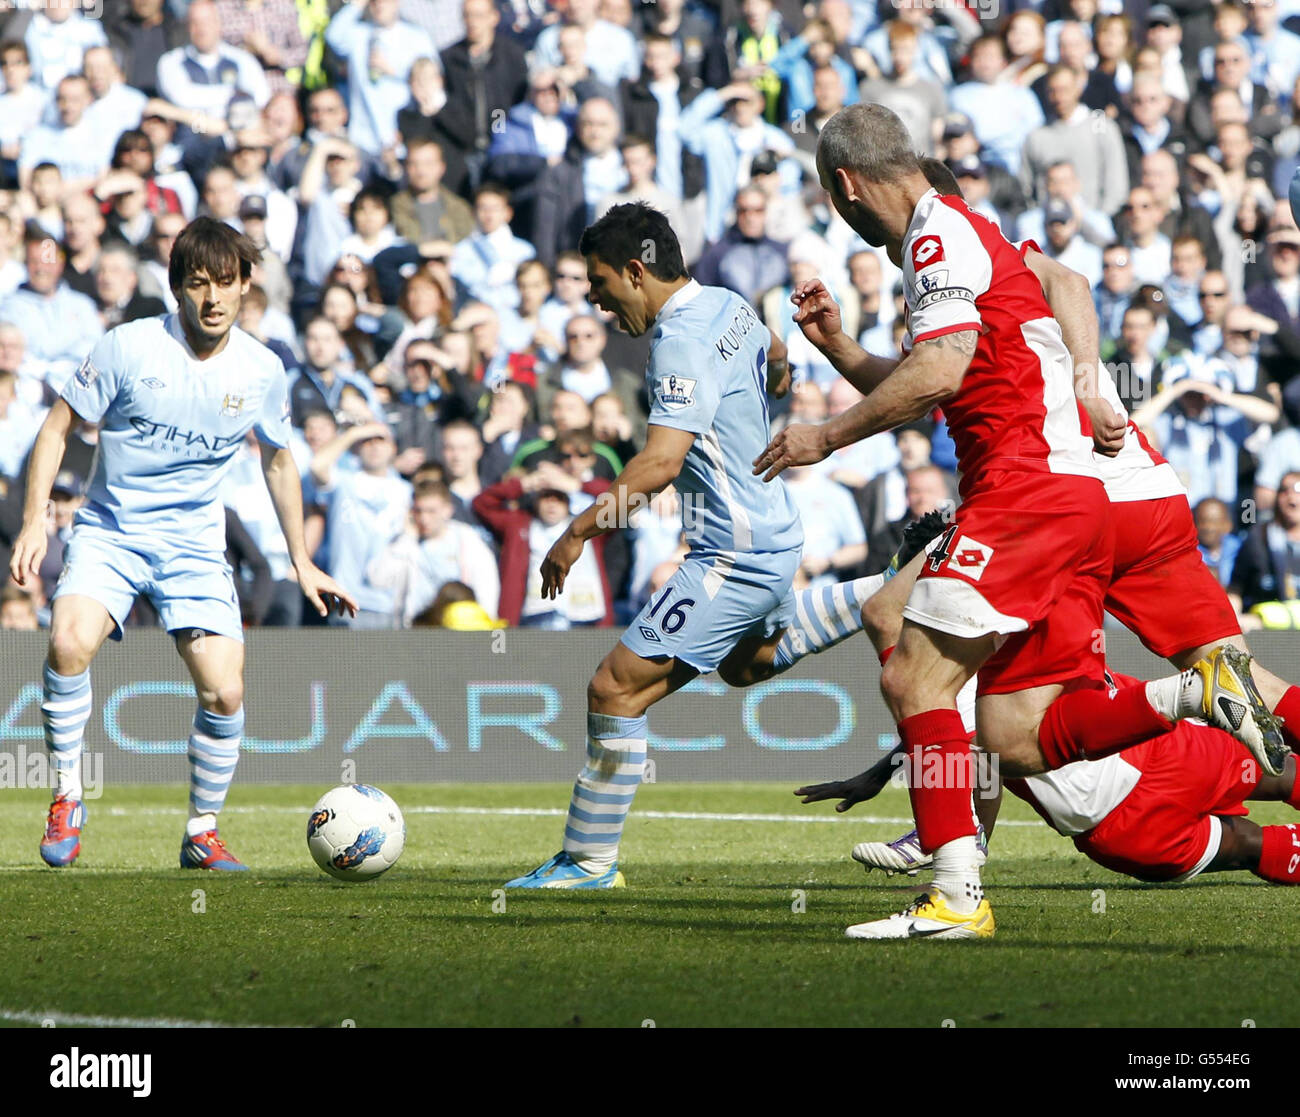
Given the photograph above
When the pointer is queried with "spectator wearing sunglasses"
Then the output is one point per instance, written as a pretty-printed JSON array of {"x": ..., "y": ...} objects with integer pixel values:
[
  {"x": 1213, "y": 298},
  {"x": 583, "y": 370}
]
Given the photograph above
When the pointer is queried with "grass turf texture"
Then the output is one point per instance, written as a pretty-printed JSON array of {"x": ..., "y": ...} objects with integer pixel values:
[{"x": 706, "y": 933}]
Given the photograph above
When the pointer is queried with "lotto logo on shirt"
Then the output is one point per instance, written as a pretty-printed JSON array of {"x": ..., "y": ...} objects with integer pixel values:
[
  {"x": 926, "y": 251},
  {"x": 969, "y": 557}
]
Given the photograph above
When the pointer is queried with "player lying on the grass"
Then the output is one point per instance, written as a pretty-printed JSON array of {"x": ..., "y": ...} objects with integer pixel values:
[
  {"x": 174, "y": 397},
  {"x": 1164, "y": 810},
  {"x": 730, "y": 606},
  {"x": 1013, "y": 593}
]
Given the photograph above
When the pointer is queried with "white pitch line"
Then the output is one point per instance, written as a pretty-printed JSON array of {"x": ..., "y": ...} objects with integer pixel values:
[
  {"x": 556, "y": 812},
  {"x": 76, "y": 1020}
]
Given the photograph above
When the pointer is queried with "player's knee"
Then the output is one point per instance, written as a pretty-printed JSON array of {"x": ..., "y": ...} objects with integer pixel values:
[
  {"x": 896, "y": 686},
  {"x": 224, "y": 700},
  {"x": 70, "y": 653}
]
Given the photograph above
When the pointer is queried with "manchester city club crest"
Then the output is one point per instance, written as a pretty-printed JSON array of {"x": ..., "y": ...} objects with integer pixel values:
[{"x": 231, "y": 406}]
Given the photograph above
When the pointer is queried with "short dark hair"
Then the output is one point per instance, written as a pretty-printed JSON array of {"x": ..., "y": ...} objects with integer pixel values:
[
  {"x": 939, "y": 175},
  {"x": 16, "y": 46},
  {"x": 635, "y": 231},
  {"x": 496, "y": 188},
  {"x": 434, "y": 488},
  {"x": 369, "y": 195},
  {"x": 209, "y": 245}
]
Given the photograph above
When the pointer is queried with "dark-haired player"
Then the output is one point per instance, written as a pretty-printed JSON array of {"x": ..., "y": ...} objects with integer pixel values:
[
  {"x": 174, "y": 397},
  {"x": 730, "y": 606}
]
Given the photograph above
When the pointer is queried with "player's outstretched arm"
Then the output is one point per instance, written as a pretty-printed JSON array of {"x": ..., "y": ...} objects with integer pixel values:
[
  {"x": 1070, "y": 297},
  {"x": 281, "y": 473},
  {"x": 649, "y": 472},
  {"x": 818, "y": 315},
  {"x": 858, "y": 789},
  {"x": 931, "y": 373},
  {"x": 42, "y": 466}
]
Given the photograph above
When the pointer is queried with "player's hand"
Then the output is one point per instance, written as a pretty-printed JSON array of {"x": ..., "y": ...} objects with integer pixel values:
[
  {"x": 861, "y": 788},
  {"x": 324, "y": 593},
  {"x": 1108, "y": 429},
  {"x": 28, "y": 554},
  {"x": 817, "y": 313},
  {"x": 555, "y": 566},
  {"x": 798, "y": 444}
]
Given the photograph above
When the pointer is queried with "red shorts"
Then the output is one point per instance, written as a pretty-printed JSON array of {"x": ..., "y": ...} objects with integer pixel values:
[
  {"x": 1162, "y": 829},
  {"x": 1161, "y": 588},
  {"x": 1028, "y": 557}
]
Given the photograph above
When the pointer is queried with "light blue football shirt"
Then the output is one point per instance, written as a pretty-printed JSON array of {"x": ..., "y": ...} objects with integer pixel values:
[
  {"x": 170, "y": 425},
  {"x": 707, "y": 374}
]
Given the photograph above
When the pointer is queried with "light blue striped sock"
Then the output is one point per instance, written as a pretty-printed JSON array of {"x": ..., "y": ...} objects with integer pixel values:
[
  {"x": 213, "y": 753},
  {"x": 823, "y": 616},
  {"x": 65, "y": 709},
  {"x": 604, "y": 790}
]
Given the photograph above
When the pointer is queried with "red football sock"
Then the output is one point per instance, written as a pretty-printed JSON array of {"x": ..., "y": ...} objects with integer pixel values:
[
  {"x": 1279, "y": 861},
  {"x": 1289, "y": 710},
  {"x": 939, "y": 776},
  {"x": 1089, "y": 724},
  {"x": 1293, "y": 800},
  {"x": 884, "y": 656}
]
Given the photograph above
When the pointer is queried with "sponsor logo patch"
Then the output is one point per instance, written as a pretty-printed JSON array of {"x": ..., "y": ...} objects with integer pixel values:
[
  {"x": 931, "y": 281},
  {"x": 969, "y": 557},
  {"x": 87, "y": 374},
  {"x": 676, "y": 392},
  {"x": 926, "y": 251},
  {"x": 650, "y": 634}
]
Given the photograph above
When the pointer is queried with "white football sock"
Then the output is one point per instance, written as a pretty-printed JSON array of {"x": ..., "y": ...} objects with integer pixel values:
[
  {"x": 1177, "y": 696},
  {"x": 957, "y": 874}
]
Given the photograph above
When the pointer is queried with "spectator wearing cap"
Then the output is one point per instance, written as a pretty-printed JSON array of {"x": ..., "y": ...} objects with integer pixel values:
[
  {"x": 1061, "y": 183},
  {"x": 206, "y": 73},
  {"x": 1090, "y": 142},
  {"x": 973, "y": 178},
  {"x": 1165, "y": 36},
  {"x": 563, "y": 200},
  {"x": 917, "y": 100},
  {"x": 60, "y": 325},
  {"x": 535, "y": 133},
  {"x": 140, "y": 36},
  {"x": 745, "y": 260},
  {"x": 324, "y": 372},
  {"x": 958, "y": 141},
  {"x": 425, "y": 209},
  {"x": 1274, "y": 51},
  {"x": 79, "y": 147},
  {"x": 379, "y": 48},
  {"x": 23, "y": 105},
  {"x": 1002, "y": 113},
  {"x": 727, "y": 143},
  {"x": 274, "y": 273},
  {"x": 368, "y": 510},
  {"x": 1064, "y": 244},
  {"x": 57, "y": 38},
  {"x": 116, "y": 286},
  {"x": 1200, "y": 423},
  {"x": 1151, "y": 128},
  {"x": 434, "y": 549},
  {"x": 248, "y": 160},
  {"x": 527, "y": 515},
  {"x": 484, "y": 262}
]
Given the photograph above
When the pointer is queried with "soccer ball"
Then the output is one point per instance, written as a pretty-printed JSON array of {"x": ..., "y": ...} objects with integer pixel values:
[{"x": 355, "y": 832}]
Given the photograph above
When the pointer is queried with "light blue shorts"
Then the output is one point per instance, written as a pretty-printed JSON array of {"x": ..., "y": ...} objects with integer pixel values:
[
  {"x": 190, "y": 591},
  {"x": 709, "y": 605}
]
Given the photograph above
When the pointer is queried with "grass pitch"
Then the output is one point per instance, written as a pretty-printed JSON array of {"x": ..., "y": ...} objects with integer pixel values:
[{"x": 727, "y": 921}]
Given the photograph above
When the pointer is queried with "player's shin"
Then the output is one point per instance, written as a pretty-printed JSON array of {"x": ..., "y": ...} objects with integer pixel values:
[
  {"x": 603, "y": 792},
  {"x": 65, "y": 709},
  {"x": 1091, "y": 723},
  {"x": 213, "y": 755},
  {"x": 1279, "y": 859},
  {"x": 824, "y": 615},
  {"x": 940, "y": 783}
]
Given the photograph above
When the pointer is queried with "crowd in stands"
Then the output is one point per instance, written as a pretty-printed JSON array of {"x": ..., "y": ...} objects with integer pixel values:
[{"x": 417, "y": 174}]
